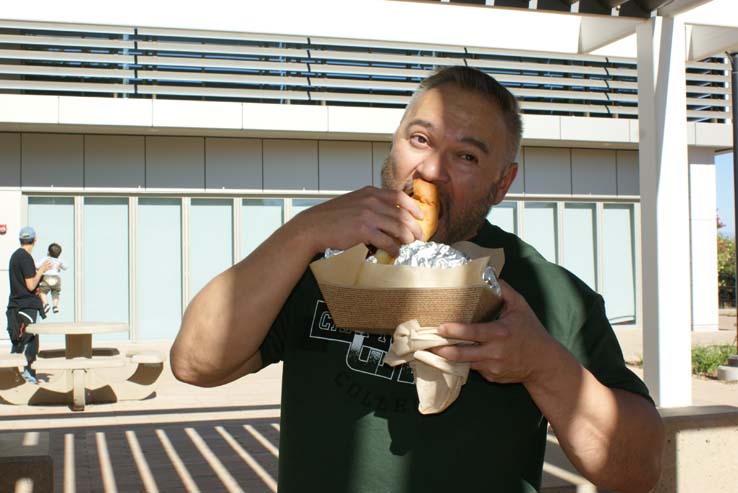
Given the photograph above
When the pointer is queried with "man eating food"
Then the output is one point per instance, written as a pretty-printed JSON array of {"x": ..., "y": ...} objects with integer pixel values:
[{"x": 348, "y": 421}]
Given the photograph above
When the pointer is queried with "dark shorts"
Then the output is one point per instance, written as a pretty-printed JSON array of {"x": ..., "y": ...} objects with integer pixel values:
[
  {"x": 18, "y": 320},
  {"x": 50, "y": 283}
]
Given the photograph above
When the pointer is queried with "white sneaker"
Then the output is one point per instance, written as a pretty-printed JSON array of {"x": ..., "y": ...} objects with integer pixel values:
[{"x": 29, "y": 377}]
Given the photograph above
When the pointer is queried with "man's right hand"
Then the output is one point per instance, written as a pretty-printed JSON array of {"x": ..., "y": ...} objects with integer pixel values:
[
  {"x": 222, "y": 330},
  {"x": 371, "y": 215},
  {"x": 45, "y": 266}
]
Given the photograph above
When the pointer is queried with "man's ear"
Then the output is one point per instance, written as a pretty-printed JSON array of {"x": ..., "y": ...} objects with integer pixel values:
[{"x": 504, "y": 183}]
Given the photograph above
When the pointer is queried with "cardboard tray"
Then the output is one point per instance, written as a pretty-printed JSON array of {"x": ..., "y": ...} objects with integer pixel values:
[{"x": 377, "y": 298}]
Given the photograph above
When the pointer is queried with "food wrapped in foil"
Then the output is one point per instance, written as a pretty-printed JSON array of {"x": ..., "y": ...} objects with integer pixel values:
[{"x": 432, "y": 254}]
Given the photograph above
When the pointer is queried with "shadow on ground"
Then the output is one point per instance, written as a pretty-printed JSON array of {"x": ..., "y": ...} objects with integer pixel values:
[{"x": 214, "y": 455}]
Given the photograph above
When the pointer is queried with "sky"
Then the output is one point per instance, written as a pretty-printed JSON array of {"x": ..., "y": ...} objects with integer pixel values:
[{"x": 724, "y": 179}]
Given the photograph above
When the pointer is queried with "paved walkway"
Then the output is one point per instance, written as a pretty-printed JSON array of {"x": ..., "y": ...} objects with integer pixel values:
[
  {"x": 187, "y": 438},
  {"x": 704, "y": 391}
]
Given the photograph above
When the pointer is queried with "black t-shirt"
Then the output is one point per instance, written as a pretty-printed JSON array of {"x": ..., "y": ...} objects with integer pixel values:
[
  {"x": 21, "y": 268},
  {"x": 349, "y": 423}
]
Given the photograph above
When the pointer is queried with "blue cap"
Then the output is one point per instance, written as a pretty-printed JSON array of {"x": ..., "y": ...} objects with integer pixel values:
[{"x": 27, "y": 233}]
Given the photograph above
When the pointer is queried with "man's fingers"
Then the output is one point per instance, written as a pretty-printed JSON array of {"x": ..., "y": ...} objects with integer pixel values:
[
  {"x": 463, "y": 353},
  {"x": 403, "y": 226},
  {"x": 394, "y": 214},
  {"x": 406, "y": 202},
  {"x": 480, "y": 332},
  {"x": 383, "y": 241}
]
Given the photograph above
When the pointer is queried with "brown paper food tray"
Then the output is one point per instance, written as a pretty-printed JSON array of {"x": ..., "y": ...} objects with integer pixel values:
[{"x": 377, "y": 298}]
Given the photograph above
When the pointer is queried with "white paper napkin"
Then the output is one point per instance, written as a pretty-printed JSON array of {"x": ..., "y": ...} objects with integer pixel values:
[{"x": 437, "y": 380}]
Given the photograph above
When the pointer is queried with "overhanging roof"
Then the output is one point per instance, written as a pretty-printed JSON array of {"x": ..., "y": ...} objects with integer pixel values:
[{"x": 714, "y": 22}]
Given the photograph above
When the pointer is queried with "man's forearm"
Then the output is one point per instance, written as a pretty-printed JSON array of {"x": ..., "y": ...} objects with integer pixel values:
[
  {"x": 32, "y": 282},
  {"x": 227, "y": 321},
  {"x": 613, "y": 437}
]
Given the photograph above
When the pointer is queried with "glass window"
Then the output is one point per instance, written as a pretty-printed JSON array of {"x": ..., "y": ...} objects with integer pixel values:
[
  {"x": 505, "y": 215},
  {"x": 618, "y": 276},
  {"x": 53, "y": 220},
  {"x": 105, "y": 267},
  {"x": 540, "y": 226},
  {"x": 259, "y": 219},
  {"x": 211, "y": 240},
  {"x": 159, "y": 268},
  {"x": 299, "y": 205},
  {"x": 580, "y": 242}
]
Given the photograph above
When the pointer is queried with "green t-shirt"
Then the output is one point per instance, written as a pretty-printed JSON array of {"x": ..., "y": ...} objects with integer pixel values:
[{"x": 350, "y": 423}]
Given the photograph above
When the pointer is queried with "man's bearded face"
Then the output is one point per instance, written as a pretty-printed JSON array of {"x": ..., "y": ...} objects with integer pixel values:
[{"x": 457, "y": 140}]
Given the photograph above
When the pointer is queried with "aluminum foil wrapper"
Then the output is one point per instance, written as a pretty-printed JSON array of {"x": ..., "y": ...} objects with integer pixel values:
[
  {"x": 431, "y": 254},
  {"x": 490, "y": 277},
  {"x": 331, "y": 252}
]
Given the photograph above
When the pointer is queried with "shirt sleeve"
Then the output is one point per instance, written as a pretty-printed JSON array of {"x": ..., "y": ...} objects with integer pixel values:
[
  {"x": 272, "y": 347},
  {"x": 598, "y": 350},
  {"x": 28, "y": 268}
]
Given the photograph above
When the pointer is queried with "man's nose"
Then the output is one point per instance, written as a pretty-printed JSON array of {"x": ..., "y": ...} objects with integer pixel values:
[{"x": 434, "y": 167}]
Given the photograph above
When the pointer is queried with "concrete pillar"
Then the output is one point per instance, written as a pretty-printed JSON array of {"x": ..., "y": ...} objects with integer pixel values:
[
  {"x": 10, "y": 211},
  {"x": 703, "y": 207},
  {"x": 664, "y": 187},
  {"x": 10, "y": 216}
]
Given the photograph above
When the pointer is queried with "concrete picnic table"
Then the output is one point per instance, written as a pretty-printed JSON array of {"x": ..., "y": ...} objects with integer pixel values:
[
  {"x": 77, "y": 335},
  {"x": 81, "y": 384}
]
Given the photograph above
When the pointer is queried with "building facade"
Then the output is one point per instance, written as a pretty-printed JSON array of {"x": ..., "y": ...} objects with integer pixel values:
[{"x": 157, "y": 157}]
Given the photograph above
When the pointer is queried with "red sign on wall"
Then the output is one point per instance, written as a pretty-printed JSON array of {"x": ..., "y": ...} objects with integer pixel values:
[{"x": 3, "y": 229}]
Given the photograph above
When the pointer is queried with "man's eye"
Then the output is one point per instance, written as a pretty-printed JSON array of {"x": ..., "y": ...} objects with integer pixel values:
[
  {"x": 419, "y": 139},
  {"x": 469, "y": 157}
]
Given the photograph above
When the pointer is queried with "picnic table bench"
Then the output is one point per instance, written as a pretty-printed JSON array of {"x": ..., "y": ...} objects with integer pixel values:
[{"x": 80, "y": 382}]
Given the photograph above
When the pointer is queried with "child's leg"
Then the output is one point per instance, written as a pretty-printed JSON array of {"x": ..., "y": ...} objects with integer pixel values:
[
  {"x": 55, "y": 296},
  {"x": 42, "y": 292}
]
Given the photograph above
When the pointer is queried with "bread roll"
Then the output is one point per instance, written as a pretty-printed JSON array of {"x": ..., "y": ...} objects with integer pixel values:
[{"x": 426, "y": 195}]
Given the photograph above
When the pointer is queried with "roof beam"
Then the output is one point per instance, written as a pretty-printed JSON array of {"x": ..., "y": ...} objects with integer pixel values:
[
  {"x": 705, "y": 41},
  {"x": 598, "y": 31},
  {"x": 434, "y": 23},
  {"x": 679, "y": 7}
]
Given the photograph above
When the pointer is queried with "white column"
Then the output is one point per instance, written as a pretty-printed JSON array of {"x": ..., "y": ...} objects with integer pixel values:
[
  {"x": 703, "y": 207},
  {"x": 11, "y": 204},
  {"x": 664, "y": 188}
]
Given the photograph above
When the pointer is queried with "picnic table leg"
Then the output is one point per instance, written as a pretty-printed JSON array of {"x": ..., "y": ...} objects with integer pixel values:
[
  {"x": 77, "y": 345},
  {"x": 78, "y": 390}
]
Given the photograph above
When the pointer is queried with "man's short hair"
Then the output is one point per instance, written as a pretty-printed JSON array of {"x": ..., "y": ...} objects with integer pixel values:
[
  {"x": 478, "y": 82},
  {"x": 55, "y": 250}
]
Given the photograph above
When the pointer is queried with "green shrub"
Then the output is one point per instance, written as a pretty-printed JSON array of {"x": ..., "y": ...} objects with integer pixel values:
[
  {"x": 706, "y": 359},
  {"x": 726, "y": 270}
]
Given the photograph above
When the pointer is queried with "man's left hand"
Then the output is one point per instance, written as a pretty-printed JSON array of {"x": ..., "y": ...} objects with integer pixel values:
[{"x": 509, "y": 349}]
